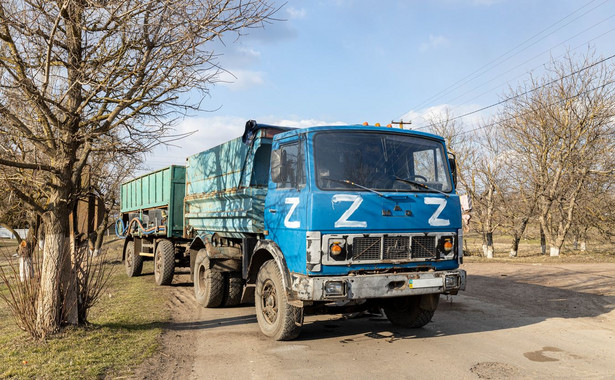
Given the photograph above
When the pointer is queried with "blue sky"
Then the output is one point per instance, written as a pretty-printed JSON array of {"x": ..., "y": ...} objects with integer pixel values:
[{"x": 345, "y": 61}]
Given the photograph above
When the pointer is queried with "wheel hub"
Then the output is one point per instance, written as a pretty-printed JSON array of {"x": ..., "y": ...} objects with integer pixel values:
[{"x": 269, "y": 302}]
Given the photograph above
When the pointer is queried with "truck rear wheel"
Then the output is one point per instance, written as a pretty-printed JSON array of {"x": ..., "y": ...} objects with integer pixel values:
[
  {"x": 208, "y": 284},
  {"x": 133, "y": 262},
  {"x": 164, "y": 262},
  {"x": 233, "y": 289},
  {"x": 411, "y": 311},
  {"x": 276, "y": 317}
]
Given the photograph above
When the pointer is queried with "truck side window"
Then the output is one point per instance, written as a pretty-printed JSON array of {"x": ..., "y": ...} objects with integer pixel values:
[{"x": 293, "y": 167}]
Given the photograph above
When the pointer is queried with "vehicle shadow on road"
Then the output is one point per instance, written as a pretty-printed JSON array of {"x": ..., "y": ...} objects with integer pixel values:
[
  {"x": 489, "y": 304},
  {"x": 247, "y": 317}
]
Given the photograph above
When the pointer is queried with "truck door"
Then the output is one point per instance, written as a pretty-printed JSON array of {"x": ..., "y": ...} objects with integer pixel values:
[{"x": 286, "y": 201}]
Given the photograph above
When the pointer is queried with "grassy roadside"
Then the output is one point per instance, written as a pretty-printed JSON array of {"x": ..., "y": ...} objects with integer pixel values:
[
  {"x": 125, "y": 328},
  {"x": 530, "y": 252}
]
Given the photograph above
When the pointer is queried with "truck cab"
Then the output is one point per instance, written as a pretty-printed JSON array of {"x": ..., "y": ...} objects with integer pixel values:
[{"x": 364, "y": 215}]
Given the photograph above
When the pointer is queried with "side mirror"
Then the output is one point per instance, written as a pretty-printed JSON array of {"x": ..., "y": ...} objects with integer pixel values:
[
  {"x": 453, "y": 164},
  {"x": 278, "y": 158}
]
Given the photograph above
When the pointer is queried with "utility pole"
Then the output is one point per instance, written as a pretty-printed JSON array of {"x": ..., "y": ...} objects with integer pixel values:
[{"x": 401, "y": 123}]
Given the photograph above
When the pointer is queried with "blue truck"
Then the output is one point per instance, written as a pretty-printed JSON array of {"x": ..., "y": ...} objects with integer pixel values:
[{"x": 306, "y": 220}]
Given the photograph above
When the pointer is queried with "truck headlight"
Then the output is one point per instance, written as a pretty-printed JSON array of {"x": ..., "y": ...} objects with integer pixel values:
[
  {"x": 335, "y": 288},
  {"x": 451, "y": 281}
]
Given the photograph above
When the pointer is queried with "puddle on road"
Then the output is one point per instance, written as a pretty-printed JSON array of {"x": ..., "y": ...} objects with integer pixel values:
[{"x": 539, "y": 356}]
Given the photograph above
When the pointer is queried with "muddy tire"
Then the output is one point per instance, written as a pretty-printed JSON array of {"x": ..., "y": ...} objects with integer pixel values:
[
  {"x": 233, "y": 289},
  {"x": 276, "y": 317},
  {"x": 411, "y": 311},
  {"x": 208, "y": 284},
  {"x": 164, "y": 262},
  {"x": 132, "y": 261}
]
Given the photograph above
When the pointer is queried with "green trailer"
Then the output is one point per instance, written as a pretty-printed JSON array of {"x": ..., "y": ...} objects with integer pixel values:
[
  {"x": 156, "y": 199},
  {"x": 152, "y": 222}
]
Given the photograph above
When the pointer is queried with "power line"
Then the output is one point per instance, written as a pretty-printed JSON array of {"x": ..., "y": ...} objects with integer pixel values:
[
  {"x": 481, "y": 70},
  {"x": 525, "y": 92},
  {"x": 538, "y": 55},
  {"x": 539, "y": 108}
]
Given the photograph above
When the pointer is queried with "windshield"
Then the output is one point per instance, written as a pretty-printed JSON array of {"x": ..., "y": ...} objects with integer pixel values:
[{"x": 380, "y": 161}]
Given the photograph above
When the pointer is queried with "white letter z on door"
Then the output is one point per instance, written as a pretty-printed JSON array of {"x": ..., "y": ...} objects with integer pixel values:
[
  {"x": 435, "y": 220},
  {"x": 343, "y": 220},
  {"x": 287, "y": 223}
]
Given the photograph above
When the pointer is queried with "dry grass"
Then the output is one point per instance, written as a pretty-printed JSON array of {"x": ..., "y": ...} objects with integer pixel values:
[{"x": 125, "y": 328}]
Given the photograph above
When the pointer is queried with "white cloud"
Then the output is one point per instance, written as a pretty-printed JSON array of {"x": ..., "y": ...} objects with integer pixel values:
[
  {"x": 434, "y": 42},
  {"x": 207, "y": 132},
  {"x": 241, "y": 79},
  {"x": 294, "y": 13},
  {"x": 421, "y": 118}
]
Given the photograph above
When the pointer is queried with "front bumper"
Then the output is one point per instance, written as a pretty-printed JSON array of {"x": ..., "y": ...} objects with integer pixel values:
[{"x": 333, "y": 288}]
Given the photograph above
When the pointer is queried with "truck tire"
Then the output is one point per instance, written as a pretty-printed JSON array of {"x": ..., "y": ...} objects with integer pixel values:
[
  {"x": 133, "y": 262},
  {"x": 233, "y": 289},
  {"x": 164, "y": 262},
  {"x": 276, "y": 317},
  {"x": 208, "y": 284},
  {"x": 411, "y": 311}
]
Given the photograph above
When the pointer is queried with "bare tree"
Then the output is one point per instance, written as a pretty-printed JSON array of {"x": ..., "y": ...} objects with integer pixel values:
[
  {"x": 79, "y": 77},
  {"x": 560, "y": 125},
  {"x": 478, "y": 168}
]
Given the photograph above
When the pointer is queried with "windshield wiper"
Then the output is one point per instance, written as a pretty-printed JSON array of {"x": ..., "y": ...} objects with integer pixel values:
[
  {"x": 356, "y": 185},
  {"x": 421, "y": 185}
]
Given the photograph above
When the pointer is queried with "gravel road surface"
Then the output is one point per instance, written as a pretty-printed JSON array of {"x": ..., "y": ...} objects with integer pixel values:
[{"x": 514, "y": 321}]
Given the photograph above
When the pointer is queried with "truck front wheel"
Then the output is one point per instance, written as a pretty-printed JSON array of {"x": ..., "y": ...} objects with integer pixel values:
[
  {"x": 164, "y": 262},
  {"x": 276, "y": 317},
  {"x": 133, "y": 262},
  {"x": 411, "y": 311},
  {"x": 208, "y": 284}
]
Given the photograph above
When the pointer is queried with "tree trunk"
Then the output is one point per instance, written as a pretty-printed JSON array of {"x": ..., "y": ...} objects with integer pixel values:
[
  {"x": 554, "y": 251},
  {"x": 488, "y": 245},
  {"x": 514, "y": 246},
  {"x": 70, "y": 307},
  {"x": 54, "y": 256},
  {"x": 543, "y": 242},
  {"x": 100, "y": 232}
]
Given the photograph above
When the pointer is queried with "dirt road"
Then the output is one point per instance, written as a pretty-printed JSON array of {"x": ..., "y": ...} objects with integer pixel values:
[{"x": 514, "y": 321}]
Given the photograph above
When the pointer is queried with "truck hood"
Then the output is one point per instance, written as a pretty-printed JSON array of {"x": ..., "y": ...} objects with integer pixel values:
[{"x": 364, "y": 212}]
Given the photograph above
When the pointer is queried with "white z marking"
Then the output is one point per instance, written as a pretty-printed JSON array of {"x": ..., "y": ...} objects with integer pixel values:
[
  {"x": 343, "y": 220},
  {"x": 287, "y": 223},
  {"x": 435, "y": 220}
]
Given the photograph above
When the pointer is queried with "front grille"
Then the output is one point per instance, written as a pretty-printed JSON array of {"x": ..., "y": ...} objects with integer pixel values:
[
  {"x": 366, "y": 248},
  {"x": 396, "y": 248},
  {"x": 423, "y": 247},
  {"x": 377, "y": 248}
]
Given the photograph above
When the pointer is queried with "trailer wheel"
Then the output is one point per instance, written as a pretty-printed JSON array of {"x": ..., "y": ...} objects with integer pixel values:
[
  {"x": 208, "y": 284},
  {"x": 164, "y": 262},
  {"x": 133, "y": 262},
  {"x": 411, "y": 311},
  {"x": 276, "y": 317},
  {"x": 233, "y": 289}
]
